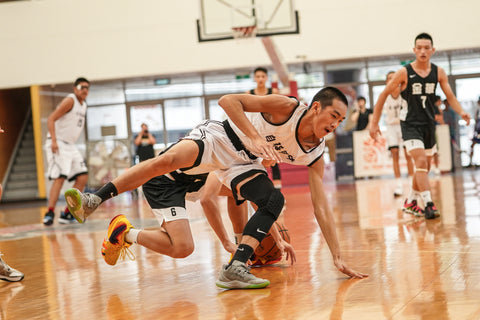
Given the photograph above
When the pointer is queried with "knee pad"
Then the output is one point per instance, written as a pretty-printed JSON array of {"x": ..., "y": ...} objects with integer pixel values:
[
  {"x": 260, "y": 190},
  {"x": 269, "y": 200}
]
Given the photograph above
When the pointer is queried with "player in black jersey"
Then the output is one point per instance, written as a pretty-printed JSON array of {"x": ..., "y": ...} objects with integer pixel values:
[{"x": 418, "y": 81}]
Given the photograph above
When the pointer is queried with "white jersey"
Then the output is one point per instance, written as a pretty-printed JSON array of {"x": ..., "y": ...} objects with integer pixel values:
[
  {"x": 69, "y": 126},
  {"x": 391, "y": 109},
  {"x": 283, "y": 137}
]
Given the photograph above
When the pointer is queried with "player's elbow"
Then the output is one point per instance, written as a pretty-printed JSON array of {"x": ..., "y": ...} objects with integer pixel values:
[{"x": 225, "y": 101}]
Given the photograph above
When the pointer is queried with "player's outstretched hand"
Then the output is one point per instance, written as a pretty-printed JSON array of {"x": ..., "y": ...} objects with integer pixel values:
[
  {"x": 341, "y": 266},
  {"x": 374, "y": 131}
]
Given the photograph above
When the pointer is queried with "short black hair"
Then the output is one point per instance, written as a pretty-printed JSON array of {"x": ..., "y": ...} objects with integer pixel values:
[
  {"x": 327, "y": 95},
  {"x": 80, "y": 80},
  {"x": 389, "y": 72},
  {"x": 438, "y": 98},
  {"x": 425, "y": 36},
  {"x": 262, "y": 69},
  {"x": 361, "y": 98}
]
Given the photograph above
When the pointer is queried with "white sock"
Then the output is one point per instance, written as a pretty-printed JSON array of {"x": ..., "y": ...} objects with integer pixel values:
[
  {"x": 412, "y": 196},
  {"x": 426, "y": 197},
  {"x": 399, "y": 182},
  {"x": 132, "y": 235}
]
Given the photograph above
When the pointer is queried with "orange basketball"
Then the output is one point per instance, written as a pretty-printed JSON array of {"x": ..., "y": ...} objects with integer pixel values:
[{"x": 267, "y": 250}]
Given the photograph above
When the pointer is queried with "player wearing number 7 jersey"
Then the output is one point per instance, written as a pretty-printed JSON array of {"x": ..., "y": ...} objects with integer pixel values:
[{"x": 418, "y": 81}]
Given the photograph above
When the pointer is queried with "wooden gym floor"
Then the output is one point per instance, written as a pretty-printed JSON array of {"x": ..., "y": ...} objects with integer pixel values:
[{"x": 418, "y": 269}]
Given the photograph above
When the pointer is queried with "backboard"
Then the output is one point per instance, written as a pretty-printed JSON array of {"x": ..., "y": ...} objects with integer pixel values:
[{"x": 219, "y": 18}]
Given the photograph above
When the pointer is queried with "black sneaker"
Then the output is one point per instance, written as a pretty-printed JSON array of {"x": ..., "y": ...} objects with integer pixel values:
[
  {"x": 431, "y": 211},
  {"x": 66, "y": 218},
  {"x": 48, "y": 218}
]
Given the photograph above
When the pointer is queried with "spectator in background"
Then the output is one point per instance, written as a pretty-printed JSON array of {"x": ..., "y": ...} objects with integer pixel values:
[
  {"x": 451, "y": 118},
  {"x": 145, "y": 142},
  {"x": 393, "y": 105},
  {"x": 476, "y": 133},
  {"x": 438, "y": 120},
  {"x": 361, "y": 115}
]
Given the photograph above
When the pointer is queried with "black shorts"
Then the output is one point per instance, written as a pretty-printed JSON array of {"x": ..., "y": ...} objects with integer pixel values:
[
  {"x": 162, "y": 192},
  {"x": 424, "y": 132}
]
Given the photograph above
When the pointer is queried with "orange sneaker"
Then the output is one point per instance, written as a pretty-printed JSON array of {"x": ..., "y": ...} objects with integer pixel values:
[{"x": 115, "y": 246}]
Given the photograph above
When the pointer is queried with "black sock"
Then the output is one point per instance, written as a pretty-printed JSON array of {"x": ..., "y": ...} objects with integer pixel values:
[
  {"x": 243, "y": 253},
  {"x": 107, "y": 191}
]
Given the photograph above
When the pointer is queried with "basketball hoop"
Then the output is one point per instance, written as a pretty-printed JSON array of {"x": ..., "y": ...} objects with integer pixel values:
[{"x": 247, "y": 32}]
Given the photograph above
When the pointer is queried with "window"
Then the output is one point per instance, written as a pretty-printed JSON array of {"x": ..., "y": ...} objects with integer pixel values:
[
  {"x": 107, "y": 122},
  {"x": 181, "y": 115}
]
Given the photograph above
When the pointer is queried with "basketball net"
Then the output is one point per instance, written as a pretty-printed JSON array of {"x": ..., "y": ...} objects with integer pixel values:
[{"x": 246, "y": 32}]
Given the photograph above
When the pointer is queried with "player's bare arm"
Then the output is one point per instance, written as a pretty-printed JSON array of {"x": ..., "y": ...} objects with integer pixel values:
[
  {"x": 399, "y": 79},
  {"x": 209, "y": 203},
  {"x": 443, "y": 80},
  {"x": 65, "y": 106},
  {"x": 324, "y": 217},
  {"x": 275, "y": 107}
]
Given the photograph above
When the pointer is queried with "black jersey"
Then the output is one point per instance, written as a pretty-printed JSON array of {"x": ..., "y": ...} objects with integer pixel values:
[
  {"x": 269, "y": 91},
  {"x": 419, "y": 96}
]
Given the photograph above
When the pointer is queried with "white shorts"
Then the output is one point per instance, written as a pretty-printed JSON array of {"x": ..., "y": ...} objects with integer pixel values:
[
  {"x": 170, "y": 214},
  {"x": 67, "y": 162},
  {"x": 166, "y": 194},
  {"x": 418, "y": 144},
  {"x": 394, "y": 136},
  {"x": 221, "y": 155}
]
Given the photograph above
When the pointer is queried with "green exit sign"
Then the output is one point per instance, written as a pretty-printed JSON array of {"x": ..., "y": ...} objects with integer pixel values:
[{"x": 242, "y": 76}]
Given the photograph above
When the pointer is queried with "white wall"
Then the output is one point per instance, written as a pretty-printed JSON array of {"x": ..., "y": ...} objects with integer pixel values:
[{"x": 54, "y": 41}]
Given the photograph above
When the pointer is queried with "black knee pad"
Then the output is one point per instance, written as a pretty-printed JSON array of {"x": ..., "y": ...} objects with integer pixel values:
[
  {"x": 269, "y": 200},
  {"x": 260, "y": 190}
]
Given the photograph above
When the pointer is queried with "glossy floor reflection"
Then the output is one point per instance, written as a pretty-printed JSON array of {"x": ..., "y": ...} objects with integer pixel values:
[{"x": 418, "y": 269}]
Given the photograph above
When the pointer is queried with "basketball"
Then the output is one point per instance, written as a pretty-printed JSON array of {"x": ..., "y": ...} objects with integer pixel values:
[{"x": 267, "y": 250}]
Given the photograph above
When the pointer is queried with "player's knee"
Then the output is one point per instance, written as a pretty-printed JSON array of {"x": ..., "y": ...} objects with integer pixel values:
[
  {"x": 421, "y": 163},
  {"x": 261, "y": 191},
  {"x": 183, "y": 250},
  {"x": 275, "y": 203}
]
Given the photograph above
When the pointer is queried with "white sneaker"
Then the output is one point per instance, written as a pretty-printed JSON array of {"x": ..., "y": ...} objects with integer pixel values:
[
  {"x": 238, "y": 276},
  {"x": 398, "y": 191},
  {"x": 7, "y": 273},
  {"x": 81, "y": 205}
]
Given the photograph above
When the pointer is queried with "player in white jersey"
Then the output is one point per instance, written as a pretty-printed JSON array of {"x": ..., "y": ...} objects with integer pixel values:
[
  {"x": 64, "y": 160},
  {"x": 391, "y": 111},
  {"x": 8, "y": 273},
  {"x": 282, "y": 130}
]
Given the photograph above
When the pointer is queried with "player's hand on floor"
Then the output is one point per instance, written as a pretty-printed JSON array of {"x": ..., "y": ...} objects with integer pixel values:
[
  {"x": 341, "y": 266},
  {"x": 288, "y": 249}
]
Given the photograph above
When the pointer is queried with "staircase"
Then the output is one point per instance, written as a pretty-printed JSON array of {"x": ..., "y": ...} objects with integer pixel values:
[{"x": 21, "y": 182}]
